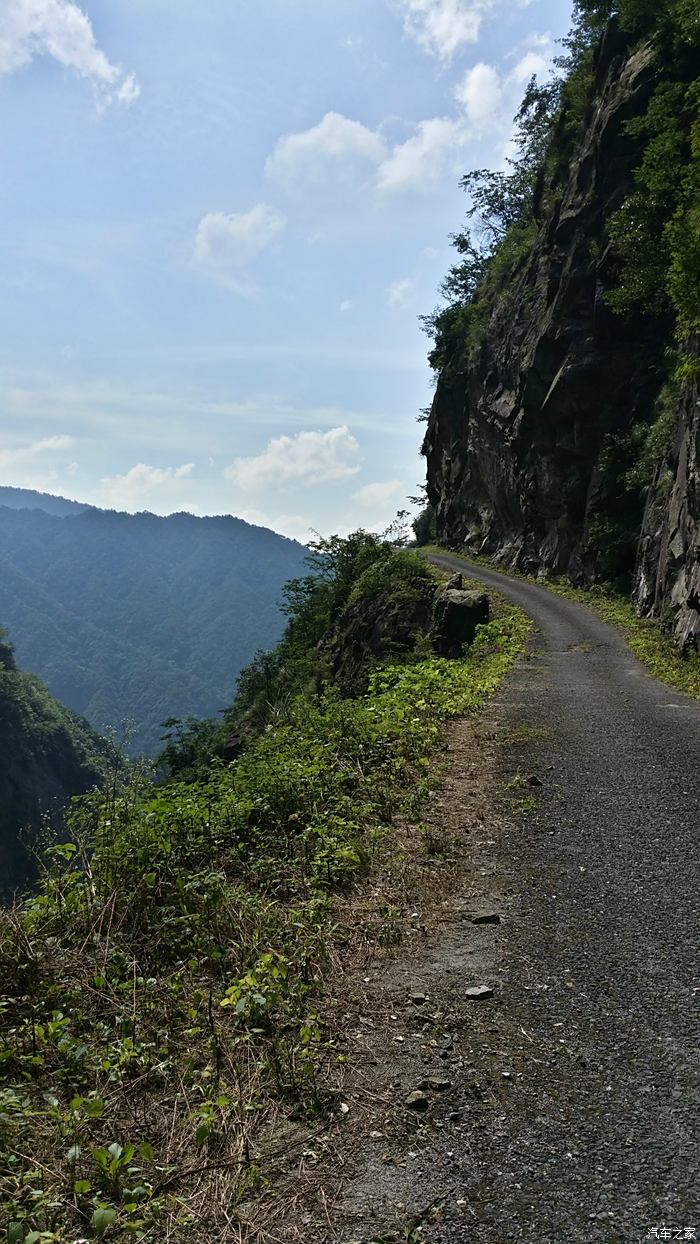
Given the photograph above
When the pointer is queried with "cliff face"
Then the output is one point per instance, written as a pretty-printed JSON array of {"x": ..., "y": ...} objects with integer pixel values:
[
  {"x": 667, "y": 577},
  {"x": 522, "y": 435}
]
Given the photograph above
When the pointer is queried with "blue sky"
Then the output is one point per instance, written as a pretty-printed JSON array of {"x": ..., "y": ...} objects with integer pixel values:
[{"x": 220, "y": 222}]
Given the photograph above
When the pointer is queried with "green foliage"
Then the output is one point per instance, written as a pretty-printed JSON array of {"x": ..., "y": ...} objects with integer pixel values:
[
  {"x": 163, "y": 991},
  {"x": 514, "y": 247},
  {"x": 7, "y": 652},
  {"x": 627, "y": 465},
  {"x": 424, "y": 528},
  {"x": 455, "y": 330},
  {"x": 190, "y": 747},
  {"x": 501, "y": 207},
  {"x": 401, "y": 575},
  {"x": 674, "y": 21},
  {"x": 656, "y": 232},
  {"x": 652, "y": 442},
  {"x": 313, "y": 605},
  {"x": 47, "y": 754},
  {"x": 136, "y": 618}
]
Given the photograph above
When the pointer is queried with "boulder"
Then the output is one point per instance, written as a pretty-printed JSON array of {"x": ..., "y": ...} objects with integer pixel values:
[{"x": 456, "y": 615}]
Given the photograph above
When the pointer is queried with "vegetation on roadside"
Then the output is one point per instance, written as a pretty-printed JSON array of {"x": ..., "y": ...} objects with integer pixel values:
[
  {"x": 165, "y": 991},
  {"x": 48, "y": 753},
  {"x": 644, "y": 636}
]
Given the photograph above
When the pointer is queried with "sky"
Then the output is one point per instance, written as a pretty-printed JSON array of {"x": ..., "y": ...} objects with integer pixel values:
[{"x": 220, "y": 223}]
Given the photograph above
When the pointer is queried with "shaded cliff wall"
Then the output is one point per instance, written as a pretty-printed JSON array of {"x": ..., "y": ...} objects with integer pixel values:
[
  {"x": 525, "y": 425},
  {"x": 667, "y": 578}
]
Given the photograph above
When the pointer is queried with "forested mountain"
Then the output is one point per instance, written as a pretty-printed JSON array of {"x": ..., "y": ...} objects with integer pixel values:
[
  {"x": 565, "y": 432},
  {"x": 138, "y": 618},
  {"x": 47, "y": 754}
]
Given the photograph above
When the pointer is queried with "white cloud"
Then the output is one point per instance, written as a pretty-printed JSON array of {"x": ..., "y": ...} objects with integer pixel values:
[
  {"x": 346, "y": 305},
  {"x": 129, "y": 90},
  {"x": 480, "y": 93},
  {"x": 381, "y": 493},
  {"x": 228, "y": 243},
  {"x": 442, "y": 27},
  {"x": 399, "y": 295},
  {"x": 60, "y": 29},
  {"x": 531, "y": 63},
  {"x": 489, "y": 98},
  {"x": 311, "y": 457},
  {"x": 141, "y": 484},
  {"x": 36, "y": 449},
  {"x": 335, "y": 148},
  {"x": 421, "y": 161}
]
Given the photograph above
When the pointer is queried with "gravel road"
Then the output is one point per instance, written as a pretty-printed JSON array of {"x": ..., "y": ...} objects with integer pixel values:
[{"x": 598, "y": 1141}]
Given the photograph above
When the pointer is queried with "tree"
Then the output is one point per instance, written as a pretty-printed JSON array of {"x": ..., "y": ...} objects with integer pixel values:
[
  {"x": 7, "y": 652},
  {"x": 500, "y": 205},
  {"x": 424, "y": 527}
]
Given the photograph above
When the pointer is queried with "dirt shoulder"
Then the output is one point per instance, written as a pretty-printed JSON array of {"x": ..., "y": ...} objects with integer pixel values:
[{"x": 426, "y": 1061}]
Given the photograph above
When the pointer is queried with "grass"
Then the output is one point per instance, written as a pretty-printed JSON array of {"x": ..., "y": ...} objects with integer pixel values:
[
  {"x": 644, "y": 636},
  {"x": 165, "y": 994}
]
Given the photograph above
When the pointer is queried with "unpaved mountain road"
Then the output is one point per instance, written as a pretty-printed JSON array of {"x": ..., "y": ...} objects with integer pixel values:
[{"x": 598, "y": 1138}]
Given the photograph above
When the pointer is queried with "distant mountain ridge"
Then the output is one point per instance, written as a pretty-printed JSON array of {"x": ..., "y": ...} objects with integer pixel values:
[
  {"x": 133, "y": 617},
  {"x": 28, "y": 499}
]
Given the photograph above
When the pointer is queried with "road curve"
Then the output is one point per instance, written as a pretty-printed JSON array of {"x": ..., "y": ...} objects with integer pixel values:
[{"x": 599, "y": 1140}]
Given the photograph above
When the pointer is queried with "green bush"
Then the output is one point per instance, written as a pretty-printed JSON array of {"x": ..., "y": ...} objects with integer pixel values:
[{"x": 400, "y": 575}]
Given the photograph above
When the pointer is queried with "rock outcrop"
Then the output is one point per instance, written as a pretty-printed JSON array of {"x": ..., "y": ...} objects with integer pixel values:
[
  {"x": 456, "y": 615},
  {"x": 391, "y": 622},
  {"x": 378, "y": 626},
  {"x": 667, "y": 579}
]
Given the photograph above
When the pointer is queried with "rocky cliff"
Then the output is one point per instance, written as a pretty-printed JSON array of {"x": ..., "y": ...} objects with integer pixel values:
[
  {"x": 531, "y": 437},
  {"x": 667, "y": 575}
]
